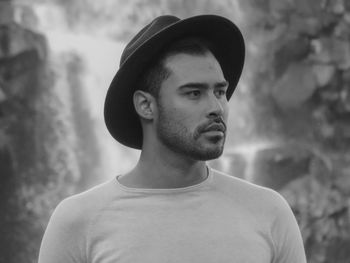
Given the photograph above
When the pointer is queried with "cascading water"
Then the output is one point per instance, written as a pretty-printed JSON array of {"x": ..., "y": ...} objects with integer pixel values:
[{"x": 98, "y": 58}]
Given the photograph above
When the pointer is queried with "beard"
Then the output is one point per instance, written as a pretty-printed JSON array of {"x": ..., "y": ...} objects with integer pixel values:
[{"x": 194, "y": 145}]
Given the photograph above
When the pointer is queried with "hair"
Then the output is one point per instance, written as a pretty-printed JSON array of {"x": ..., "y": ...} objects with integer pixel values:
[{"x": 153, "y": 76}]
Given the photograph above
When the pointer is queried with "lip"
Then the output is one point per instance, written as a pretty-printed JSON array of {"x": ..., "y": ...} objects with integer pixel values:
[
  {"x": 215, "y": 133},
  {"x": 215, "y": 127}
]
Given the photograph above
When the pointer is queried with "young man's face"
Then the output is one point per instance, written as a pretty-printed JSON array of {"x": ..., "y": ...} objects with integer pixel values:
[{"x": 193, "y": 107}]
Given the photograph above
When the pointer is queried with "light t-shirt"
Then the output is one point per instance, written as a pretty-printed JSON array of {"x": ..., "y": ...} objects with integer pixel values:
[{"x": 223, "y": 219}]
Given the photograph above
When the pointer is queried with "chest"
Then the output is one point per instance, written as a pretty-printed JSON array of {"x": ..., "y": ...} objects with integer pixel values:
[{"x": 199, "y": 233}]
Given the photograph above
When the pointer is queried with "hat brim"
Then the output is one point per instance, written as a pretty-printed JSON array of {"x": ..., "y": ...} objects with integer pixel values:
[{"x": 120, "y": 117}]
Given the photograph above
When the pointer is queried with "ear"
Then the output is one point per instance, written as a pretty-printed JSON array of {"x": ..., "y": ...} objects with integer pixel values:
[{"x": 144, "y": 104}]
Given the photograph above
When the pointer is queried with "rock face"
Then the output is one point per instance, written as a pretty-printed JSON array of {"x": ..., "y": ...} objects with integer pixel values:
[
  {"x": 22, "y": 59},
  {"x": 42, "y": 129}
]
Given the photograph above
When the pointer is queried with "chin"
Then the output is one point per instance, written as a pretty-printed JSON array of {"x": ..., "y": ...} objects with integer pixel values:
[{"x": 210, "y": 153}]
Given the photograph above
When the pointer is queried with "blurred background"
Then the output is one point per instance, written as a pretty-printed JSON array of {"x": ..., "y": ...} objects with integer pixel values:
[{"x": 289, "y": 117}]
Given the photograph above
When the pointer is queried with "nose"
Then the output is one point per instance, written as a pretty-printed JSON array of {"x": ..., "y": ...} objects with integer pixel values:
[{"x": 216, "y": 106}]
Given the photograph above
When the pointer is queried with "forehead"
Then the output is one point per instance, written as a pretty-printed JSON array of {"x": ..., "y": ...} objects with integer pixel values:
[{"x": 188, "y": 67}]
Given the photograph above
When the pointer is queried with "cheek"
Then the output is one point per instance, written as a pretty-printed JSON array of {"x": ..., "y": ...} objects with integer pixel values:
[
  {"x": 182, "y": 118},
  {"x": 226, "y": 109}
]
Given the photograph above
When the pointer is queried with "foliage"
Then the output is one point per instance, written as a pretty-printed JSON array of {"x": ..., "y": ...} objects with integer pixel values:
[
  {"x": 299, "y": 79},
  {"x": 296, "y": 82}
]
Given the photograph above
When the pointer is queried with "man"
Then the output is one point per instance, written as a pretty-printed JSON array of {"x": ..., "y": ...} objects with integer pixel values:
[{"x": 170, "y": 99}]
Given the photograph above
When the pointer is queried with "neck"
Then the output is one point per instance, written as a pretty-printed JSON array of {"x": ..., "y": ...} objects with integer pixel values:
[{"x": 159, "y": 167}]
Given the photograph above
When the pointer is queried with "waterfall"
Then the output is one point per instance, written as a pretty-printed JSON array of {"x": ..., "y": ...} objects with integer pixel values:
[{"x": 98, "y": 58}]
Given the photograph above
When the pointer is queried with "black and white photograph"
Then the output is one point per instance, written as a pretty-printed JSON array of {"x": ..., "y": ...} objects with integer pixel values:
[{"x": 175, "y": 131}]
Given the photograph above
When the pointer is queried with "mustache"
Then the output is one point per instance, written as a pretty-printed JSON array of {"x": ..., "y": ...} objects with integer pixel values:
[{"x": 217, "y": 124}]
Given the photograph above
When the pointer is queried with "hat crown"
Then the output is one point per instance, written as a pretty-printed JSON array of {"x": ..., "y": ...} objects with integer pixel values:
[{"x": 146, "y": 33}]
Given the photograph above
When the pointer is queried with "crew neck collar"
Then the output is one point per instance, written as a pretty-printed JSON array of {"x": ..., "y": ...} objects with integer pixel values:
[{"x": 203, "y": 183}]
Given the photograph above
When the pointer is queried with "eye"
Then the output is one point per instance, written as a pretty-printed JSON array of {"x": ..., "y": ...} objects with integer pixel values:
[
  {"x": 220, "y": 93},
  {"x": 193, "y": 94}
]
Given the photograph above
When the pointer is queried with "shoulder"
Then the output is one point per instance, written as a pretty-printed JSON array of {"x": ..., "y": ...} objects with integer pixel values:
[
  {"x": 66, "y": 233},
  {"x": 251, "y": 195},
  {"x": 80, "y": 208}
]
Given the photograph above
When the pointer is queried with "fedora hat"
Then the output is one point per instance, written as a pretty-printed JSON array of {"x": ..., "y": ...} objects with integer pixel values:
[{"x": 120, "y": 116}]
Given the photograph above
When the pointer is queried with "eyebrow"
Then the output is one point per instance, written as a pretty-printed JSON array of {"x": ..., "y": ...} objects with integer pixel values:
[{"x": 200, "y": 85}]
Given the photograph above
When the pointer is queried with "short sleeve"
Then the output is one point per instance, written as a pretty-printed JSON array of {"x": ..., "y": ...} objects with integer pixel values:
[
  {"x": 63, "y": 240},
  {"x": 286, "y": 235}
]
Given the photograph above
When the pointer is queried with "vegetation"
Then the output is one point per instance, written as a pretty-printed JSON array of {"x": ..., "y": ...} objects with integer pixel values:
[{"x": 294, "y": 95}]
